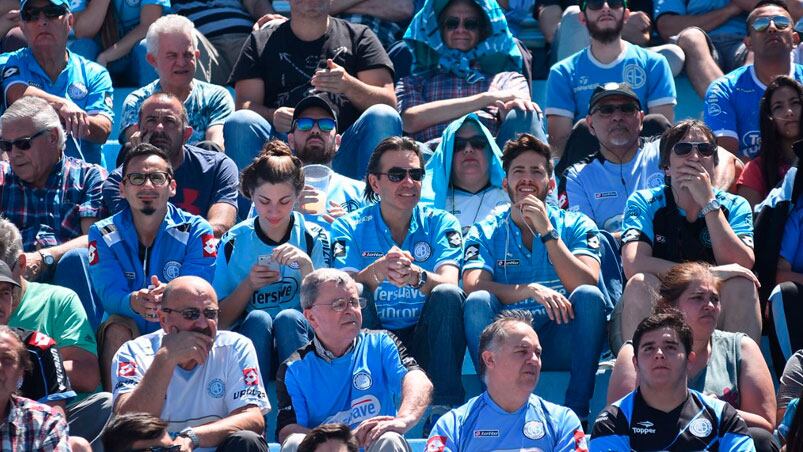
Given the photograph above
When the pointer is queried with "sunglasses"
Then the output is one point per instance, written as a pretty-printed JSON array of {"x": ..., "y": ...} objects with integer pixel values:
[
  {"x": 194, "y": 313},
  {"x": 339, "y": 304},
  {"x": 476, "y": 142},
  {"x": 471, "y": 24},
  {"x": 23, "y": 144},
  {"x": 608, "y": 109},
  {"x": 175, "y": 448},
  {"x": 703, "y": 148},
  {"x": 306, "y": 124},
  {"x": 396, "y": 174},
  {"x": 50, "y": 12},
  {"x": 762, "y": 23},
  {"x": 157, "y": 178},
  {"x": 596, "y": 5}
]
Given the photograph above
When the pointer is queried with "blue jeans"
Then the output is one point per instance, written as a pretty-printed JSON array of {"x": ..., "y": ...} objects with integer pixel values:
[
  {"x": 134, "y": 67},
  {"x": 573, "y": 346},
  {"x": 72, "y": 271},
  {"x": 517, "y": 122},
  {"x": 436, "y": 341},
  {"x": 245, "y": 132},
  {"x": 289, "y": 330}
]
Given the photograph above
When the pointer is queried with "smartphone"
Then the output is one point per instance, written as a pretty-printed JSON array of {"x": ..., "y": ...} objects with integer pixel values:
[{"x": 266, "y": 260}]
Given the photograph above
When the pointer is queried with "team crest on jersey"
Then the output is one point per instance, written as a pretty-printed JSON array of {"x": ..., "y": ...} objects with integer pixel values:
[
  {"x": 171, "y": 270},
  {"x": 250, "y": 376},
  {"x": 592, "y": 239},
  {"x": 422, "y": 251},
  {"x": 635, "y": 75},
  {"x": 93, "y": 252},
  {"x": 10, "y": 72},
  {"x": 216, "y": 388},
  {"x": 77, "y": 91},
  {"x": 339, "y": 248},
  {"x": 472, "y": 252},
  {"x": 534, "y": 430},
  {"x": 455, "y": 239},
  {"x": 701, "y": 427},
  {"x": 362, "y": 380},
  {"x": 656, "y": 179}
]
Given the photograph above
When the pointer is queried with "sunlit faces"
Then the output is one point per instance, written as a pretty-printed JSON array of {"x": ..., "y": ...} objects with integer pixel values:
[
  {"x": 464, "y": 36},
  {"x": 676, "y": 161},
  {"x": 43, "y": 32},
  {"x": 399, "y": 196},
  {"x": 700, "y": 306},
  {"x": 10, "y": 367},
  {"x": 147, "y": 198},
  {"x": 161, "y": 125},
  {"x": 470, "y": 157},
  {"x": 175, "y": 59},
  {"x": 772, "y": 41},
  {"x": 33, "y": 165},
  {"x": 527, "y": 175},
  {"x": 605, "y": 24},
  {"x": 516, "y": 361},
  {"x": 6, "y": 301},
  {"x": 332, "y": 327},
  {"x": 314, "y": 146},
  {"x": 613, "y": 127},
  {"x": 274, "y": 204},
  {"x": 184, "y": 297},
  {"x": 785, "y": 107},
  {"x": 661, "y": 361}
]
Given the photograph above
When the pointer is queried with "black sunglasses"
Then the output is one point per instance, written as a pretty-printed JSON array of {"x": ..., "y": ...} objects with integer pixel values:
[
  {"x": 157, "y": 178},
  {"x": 23, "y": 144},
  {"x": 762, "y": 23},
  {"x": 704, "y": 148},
  {"x": 476, "y": 142},
  {"x": 174, "y": 448},
  {"x": 451, "y": 23},
  {"x": 50, "y": 12},
  {"x": 596, "y": 5},
  {"x": 608, "y": 109},
  {"x": 396, "y": 174},
  {"x": 306, "y": 124},
  {"x": 194, "y": 313}
]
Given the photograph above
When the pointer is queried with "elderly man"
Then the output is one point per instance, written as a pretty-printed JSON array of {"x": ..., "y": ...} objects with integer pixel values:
[
  {"x": 78, "y": 89},
  {"x": 366, "y": 372},
  {"x": 173, "y": 51},
  {"x": 313, "y": 52},
  {"x": 510, "y": 366},
  {"x": 51, "y": 198},
  {"x": 133, "y": 253},
  {"x": 203, "y": 382},
  {"x": 408, "y": 259},
  {"x": 206, "y": 181},
  {"x": 55, "y": 312}
]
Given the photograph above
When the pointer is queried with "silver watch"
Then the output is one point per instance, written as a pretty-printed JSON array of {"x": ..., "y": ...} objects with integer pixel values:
[
  {"x": 190, "y": 433},
  {"x": 712, "y": 205}
]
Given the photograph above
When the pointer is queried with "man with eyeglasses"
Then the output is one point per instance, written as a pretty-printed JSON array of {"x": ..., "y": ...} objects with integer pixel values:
[
  {"x": 204, "y": 383},
  {"x": 407, "y": 257},
  {"x": 135, "y": 252},
  {"x": 688, "y": 219},
  {"x": 348, "y": 375},
  {"x": 608, "y": 58},
  {"x": 78, "y": 89},
  {"x": 536, "y": 257},
  {"x": 731, "y": 102}
]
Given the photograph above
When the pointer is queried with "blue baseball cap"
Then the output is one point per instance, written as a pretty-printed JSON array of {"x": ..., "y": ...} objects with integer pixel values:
[{"x": 65, "y": 3}]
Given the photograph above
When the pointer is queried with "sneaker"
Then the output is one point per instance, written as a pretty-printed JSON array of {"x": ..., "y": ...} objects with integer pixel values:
[{"x": 435, "y": 413}]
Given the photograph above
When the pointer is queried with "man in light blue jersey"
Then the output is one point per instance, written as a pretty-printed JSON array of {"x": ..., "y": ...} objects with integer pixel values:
[
  {"x": 731, "y": 102},
  {"x": 537, "y": 257},
  {"x": 608, "y": 58},
  {"x": 508, "y": 416},
  {"x": 408, "y": 259}
]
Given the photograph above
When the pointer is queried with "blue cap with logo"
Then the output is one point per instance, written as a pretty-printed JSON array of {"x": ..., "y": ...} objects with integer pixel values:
[{"x": 65, "y": 3}]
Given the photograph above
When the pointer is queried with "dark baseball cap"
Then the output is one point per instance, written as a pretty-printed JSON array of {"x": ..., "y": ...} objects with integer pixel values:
[
  {"x": 314, "y": 101},
  {"x": 612, "y": 89},
  {"x": 6, "y": 275},
  {"x": 64, "y": 3}
]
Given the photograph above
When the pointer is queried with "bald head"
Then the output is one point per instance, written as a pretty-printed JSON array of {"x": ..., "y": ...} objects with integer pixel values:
[
  {"x": 185, "y": 287},
  {"x": 189, "y": 303}
]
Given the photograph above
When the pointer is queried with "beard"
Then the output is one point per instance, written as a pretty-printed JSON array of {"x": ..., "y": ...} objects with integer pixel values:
[
  {"x": 148, "y": 210},
  {"x": 315, "y": 154},
  {"x": 166, "y": 143},
  {"x": 606, "y": 36}
]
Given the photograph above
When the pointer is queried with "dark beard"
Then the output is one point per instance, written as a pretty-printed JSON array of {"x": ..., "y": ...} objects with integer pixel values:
[
  {"x": 148, "y": 210},
  {"x": 316, "y": 156},
  {"x": 606, "y": 36}
]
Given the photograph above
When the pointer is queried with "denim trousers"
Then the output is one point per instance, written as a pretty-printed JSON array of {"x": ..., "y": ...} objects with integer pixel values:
[{"x": 289, "y": 330}]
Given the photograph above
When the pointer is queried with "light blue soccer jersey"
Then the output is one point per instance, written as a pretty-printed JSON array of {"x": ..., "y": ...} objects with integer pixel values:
[
  {"x": 85, "y": 83},
  {"x": 240, "y": 248},
  {"x": 572, "y": 80},
  {"x": 599, "y": 188},
  {"x": 495, "y": 245},
  {"x": 481, "y": 425},
  {"x": 735, "y": 26},
  {"x": 127, "y": 11},
  {"x": 731, "y": 107},
  {"x": 434, "y": 240}
]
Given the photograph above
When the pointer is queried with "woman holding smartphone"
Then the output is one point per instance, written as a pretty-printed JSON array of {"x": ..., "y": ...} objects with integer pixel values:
[{"x": 262, "y": 260}]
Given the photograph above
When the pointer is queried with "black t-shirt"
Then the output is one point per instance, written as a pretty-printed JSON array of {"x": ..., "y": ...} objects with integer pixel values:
[{"x": 286, "y": 64}]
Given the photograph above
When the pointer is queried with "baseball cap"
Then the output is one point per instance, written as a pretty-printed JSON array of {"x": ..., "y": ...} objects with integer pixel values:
[
  {"x": 314, "y": 101},
  {"x": 612, "y": 89},
  {"x": 65, "y": 3},
  {"x": 6, "y": 275}
]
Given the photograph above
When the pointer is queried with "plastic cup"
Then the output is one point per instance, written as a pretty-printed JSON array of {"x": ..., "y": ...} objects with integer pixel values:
[{"x": 317, "y": 177}]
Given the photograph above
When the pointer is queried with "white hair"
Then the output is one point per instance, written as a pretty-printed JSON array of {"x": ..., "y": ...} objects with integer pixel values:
[
  {"x": 40, "y": 112},
  {"x": 171, "y": 23}
]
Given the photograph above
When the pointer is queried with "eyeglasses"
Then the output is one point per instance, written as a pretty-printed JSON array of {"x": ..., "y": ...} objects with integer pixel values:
[
  {"x": 609, "y": 109},
  {"x": 476, "y": 142},
  {"x": 762, "y": 23},
  {"x": 471, "y": 23},
  {"x": 396, "y": 174},
  {"x": 703, "y": 148},
  {"x": 339, "y": 304},
  {"x": 157, "y": 178},
  {"x": 175, "y": 448},
  {"x": 194, "y": 313},
  {"x": 23, "y": 144},
  {"x": 596, "y": 5},
  {"x": 50, "y": 12},
  {"x": 306, "y": 124}
]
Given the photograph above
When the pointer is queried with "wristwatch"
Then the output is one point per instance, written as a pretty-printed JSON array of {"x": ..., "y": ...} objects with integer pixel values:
[
  {"x": 712, "y": 205},
  {"x": 551, "y": 235},
  {"x": 190, "y": 433},
  {"x": 47, "y": 258},
  {"x": 422, "y": 279}
]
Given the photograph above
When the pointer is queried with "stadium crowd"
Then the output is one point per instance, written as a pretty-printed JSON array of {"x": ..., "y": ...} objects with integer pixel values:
[{"x": 341, "y": 201}]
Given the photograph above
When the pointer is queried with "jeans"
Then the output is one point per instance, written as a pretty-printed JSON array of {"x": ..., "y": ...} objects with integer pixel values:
[
  {"x": 573, "y": 346},
  {"x": 72, "y": 271},
  {"x": 245, "y": 132},
  {"x": 134, "y": 68},
  {"x": 517, "y": 122},
  {"x": 436, "y": 341},
  {"x": 289, "y": 331}
]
